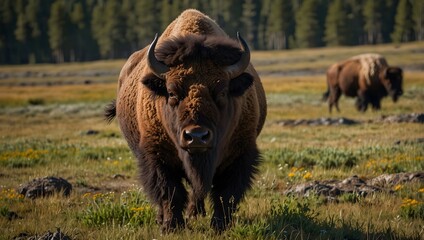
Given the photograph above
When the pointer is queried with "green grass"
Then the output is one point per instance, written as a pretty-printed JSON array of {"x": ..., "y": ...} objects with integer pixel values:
[{"x": 44, "y": 133}]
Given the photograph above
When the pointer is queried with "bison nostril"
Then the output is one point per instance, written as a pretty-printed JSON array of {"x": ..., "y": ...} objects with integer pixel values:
[
  {"x": 206, "y": 136},
  {"x": 187, "y": 137},
  {"x": 197, "y": 137}
]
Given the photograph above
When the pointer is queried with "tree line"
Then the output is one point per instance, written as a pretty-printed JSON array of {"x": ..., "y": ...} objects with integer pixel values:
[{"x": 42, "y": 31}]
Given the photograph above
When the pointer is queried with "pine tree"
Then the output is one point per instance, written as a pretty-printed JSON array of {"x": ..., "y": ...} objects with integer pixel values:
[
  {"x": 355, "y": 21},
  {"x": 388, "y": 15},
  {"x": 262, "y": 24},
  {"x": 149, "y": 22},
  {"x": 107, "y": 26},
  {"x": 336, "y": 25},
  {"x": 21, "y": 25},
  {"x": 249, "y": 27},
  {"x": 373, "y": 21},
  {"x": 220, "y": 11},
  {"x": 280, "y": 24},
  {"x": 166, "y": 17},
  {"x": 404, "y": 26},
  {"x": 418, "y": 17},
  {"x": 130, "y": 18},
  {"x": 56, "y": 30},
  {"x": 78, "y": 31},
  {"x": 309, "y": 31},
  {"x": 7, "y": 36}
]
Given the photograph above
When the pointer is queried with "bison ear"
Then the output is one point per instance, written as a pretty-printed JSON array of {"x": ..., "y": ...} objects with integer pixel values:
[
  {"x": 155, "y": 84},
  {"x": 240, "y": 84}
]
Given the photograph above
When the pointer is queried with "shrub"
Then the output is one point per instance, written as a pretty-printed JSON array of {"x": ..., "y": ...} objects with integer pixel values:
[{"x": 130, "y": 209}]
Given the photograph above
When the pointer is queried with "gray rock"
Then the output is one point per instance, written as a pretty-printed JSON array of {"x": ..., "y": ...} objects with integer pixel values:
[
  {"x": 354, "y": 184},
  {"x": 388, "y": 180},
  {"x": 43, "y": 187}
]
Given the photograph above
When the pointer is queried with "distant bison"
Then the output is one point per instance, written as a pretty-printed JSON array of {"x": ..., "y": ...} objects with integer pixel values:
[
  {"x": 367, "y": 77},
  {"x": 191, "y": 107}
]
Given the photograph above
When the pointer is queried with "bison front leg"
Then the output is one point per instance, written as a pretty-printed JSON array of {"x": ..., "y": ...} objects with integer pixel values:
[
  {"x": 376, "y": 103},
  {"x": 229, "y": 187},
  {"x": 362, "y": 102},
  {"x": 165, "y": 189}
]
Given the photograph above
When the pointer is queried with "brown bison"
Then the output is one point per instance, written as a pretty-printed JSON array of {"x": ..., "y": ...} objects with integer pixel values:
[
  {"x": 191, "y": 107},
  {"x": 367, "y": 77}
]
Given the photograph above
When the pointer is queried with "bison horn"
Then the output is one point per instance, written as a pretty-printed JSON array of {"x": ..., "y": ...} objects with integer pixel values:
[
  {"x": 238, "y": 68},
  {"x": 157, "y": 67}
]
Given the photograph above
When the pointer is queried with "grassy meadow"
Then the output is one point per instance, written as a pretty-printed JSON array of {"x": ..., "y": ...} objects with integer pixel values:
[{"x": 46, "y": 118}]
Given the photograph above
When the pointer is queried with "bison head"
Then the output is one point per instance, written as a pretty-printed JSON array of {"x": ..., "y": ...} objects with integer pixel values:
[
  {"x": 392, "y": 81},
  {"x": 199, "y": 81}
]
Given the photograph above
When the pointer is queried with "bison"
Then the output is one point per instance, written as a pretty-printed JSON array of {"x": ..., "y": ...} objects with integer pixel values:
[
  {"x": 367, "y": 77},
  {"x": 191, "y": 106}
]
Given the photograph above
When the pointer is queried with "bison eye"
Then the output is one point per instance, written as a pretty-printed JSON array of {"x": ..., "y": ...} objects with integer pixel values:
[
  {"x": 221, "y": 98},
  {"x": 223, "y": 94},
  {"x": 172, "y": 98}
]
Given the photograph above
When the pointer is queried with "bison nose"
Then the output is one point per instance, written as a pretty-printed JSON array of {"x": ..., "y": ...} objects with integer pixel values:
[{"x": 196, "y": 139}]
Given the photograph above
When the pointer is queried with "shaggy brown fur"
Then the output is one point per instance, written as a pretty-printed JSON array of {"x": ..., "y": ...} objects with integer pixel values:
[
  {"x": 221, "y": 50},
  {"x": 367, "y": 77},
  {"x": 155, "y": 115}
]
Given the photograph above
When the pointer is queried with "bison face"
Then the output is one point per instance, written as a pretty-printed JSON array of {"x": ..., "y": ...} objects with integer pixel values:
[
  {"x": 200, "y": 77},
  {"x": 199, "y": 110},
  {"x": 199, "y": 107},
  {"x": 199, "y": 82},
  {"x": 392, "y": 81}
]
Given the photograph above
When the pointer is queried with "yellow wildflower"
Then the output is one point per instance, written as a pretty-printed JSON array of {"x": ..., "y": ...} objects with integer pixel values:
[
  {"x": 10, "y": 194},
  {"x": 139, "y": 209},
  {"x": 307, "y": 175},
  {"x": 397, "y": 187},
  {"x": 421, "y": 190},
  {"x": 409, "y": 202},
  {"x": 86, "y": 195}
]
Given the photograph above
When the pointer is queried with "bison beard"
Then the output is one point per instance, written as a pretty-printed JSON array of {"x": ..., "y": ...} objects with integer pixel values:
[{"x": 191, "y": 109}]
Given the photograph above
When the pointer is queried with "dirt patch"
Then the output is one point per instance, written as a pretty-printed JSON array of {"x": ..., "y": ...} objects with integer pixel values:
[
  {"x": 331, "y": 189},
  {"x": 402, "y": 118}
]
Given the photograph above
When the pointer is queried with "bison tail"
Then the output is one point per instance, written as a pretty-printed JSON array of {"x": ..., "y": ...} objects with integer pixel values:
[{"x": 110, "y": 111}]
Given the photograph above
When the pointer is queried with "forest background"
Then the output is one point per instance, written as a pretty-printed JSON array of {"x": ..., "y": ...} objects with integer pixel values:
[{"x": 56, "y": 31}]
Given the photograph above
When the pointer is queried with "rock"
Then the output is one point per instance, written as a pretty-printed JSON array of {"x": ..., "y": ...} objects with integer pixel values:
[
  {"x": 91, "y": 132},
  {"x": 318, "y": 122},
  {"x": 354, "y": 184},
  {"x": 58, "y": 235},
  {"x": 22, "y": 236},
  {"x": 43, "y": 187},
  {"x": 389, "y": 180},
  {"x": 119, "y": 176},
  {"x": 411, "y": 118}
]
